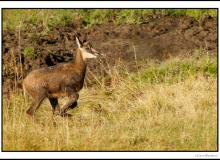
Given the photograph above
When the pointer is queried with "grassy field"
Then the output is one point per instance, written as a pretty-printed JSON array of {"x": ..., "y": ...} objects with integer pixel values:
[
  {"x": 164, "y": 106},
  {"x": 14, "y": 18}
]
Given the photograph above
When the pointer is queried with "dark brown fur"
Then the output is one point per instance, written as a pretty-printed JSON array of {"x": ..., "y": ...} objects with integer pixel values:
[{"x": 56, "y": 81}]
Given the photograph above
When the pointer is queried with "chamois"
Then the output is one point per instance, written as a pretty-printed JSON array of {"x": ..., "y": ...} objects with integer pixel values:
[{"x": 64, "y": 79}]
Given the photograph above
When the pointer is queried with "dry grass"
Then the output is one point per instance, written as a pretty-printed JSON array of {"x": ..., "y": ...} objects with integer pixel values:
[{"x": 130, "y": 115}]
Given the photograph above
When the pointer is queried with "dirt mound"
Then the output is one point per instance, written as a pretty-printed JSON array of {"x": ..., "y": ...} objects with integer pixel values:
[{"x": 159, "y": 37}]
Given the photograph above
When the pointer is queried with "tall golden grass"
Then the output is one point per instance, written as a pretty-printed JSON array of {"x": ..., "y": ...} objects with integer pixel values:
[{"x": 171, "y": 106}]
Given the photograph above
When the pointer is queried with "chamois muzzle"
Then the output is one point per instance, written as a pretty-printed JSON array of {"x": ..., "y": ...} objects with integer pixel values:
[{"x": 96, "y": 53}]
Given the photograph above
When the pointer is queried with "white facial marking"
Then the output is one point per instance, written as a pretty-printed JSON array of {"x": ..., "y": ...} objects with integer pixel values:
[{"x": 86, "y": 54}]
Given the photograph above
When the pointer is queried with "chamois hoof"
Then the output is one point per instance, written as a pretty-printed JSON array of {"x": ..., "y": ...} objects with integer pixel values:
[
  {"x": 29, "y": 113},
  {"x": 57, "y": 113},
  {"x": 73, "y": 105}
]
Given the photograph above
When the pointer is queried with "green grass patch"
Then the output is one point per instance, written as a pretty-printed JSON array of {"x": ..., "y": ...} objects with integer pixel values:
[
  {"x": 52, "y": 17},
  {"x": 178, "y": 70},
  {"x": 29, "y": 52}
]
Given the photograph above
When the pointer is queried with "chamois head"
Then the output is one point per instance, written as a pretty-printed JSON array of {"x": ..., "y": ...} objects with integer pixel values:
[{"x": 86, "y": 50}]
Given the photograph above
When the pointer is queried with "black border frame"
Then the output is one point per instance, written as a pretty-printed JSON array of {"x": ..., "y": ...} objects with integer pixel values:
[{"x": 216, "y": 151}]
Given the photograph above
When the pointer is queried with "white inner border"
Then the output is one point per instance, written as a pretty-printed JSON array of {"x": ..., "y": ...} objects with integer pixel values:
[{"x": 108, "y": 4}]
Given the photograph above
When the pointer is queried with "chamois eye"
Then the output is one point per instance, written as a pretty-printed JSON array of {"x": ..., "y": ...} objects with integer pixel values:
[{"x": 87, "y": 48}]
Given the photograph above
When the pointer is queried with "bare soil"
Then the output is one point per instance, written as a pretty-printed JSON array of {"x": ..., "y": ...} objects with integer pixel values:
[{"x": 158, "y": 37}]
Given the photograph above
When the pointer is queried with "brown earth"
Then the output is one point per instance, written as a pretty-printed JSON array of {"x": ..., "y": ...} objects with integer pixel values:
[{"x": 159, "y": 37}]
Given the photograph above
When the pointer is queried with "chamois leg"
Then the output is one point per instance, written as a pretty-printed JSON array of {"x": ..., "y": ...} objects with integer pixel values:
[
  {"x": 55, "y": 105},
  {"x": 35, "y": 104},
  {"x": 71, "y": 103}
]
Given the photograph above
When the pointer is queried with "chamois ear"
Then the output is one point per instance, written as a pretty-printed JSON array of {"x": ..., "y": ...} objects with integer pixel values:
[{"x": 79, "y": 43}]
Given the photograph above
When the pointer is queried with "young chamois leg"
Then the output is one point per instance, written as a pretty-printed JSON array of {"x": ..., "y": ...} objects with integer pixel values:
[
  {"x": 55, "y": 105},
  {"x": 72, "y": 102},
  {"x": 37, "y": 99}
]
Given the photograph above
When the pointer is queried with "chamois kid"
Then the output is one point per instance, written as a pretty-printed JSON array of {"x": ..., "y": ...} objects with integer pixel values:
[{"x": 62, "y": 80}]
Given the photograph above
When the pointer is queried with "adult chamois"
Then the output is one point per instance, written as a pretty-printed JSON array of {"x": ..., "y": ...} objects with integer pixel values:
[{"x": 64, "y": 79}]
